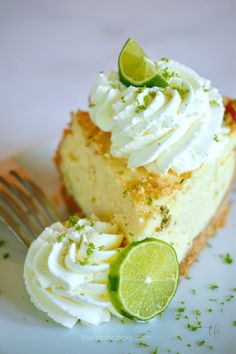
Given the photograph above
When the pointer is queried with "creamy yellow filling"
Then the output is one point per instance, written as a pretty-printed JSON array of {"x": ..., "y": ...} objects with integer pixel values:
[{"x": 97, "y": 183}]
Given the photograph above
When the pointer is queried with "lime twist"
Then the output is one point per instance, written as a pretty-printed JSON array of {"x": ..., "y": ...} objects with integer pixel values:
[
  {"x": 136, "y": 68},
  {"x": 143, "y": 279}
]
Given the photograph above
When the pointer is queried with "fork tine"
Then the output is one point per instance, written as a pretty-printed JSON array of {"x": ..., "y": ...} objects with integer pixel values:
[
  {"x": 23, "y": 205},
  {"x": 14, "y": 226},
  {"x": 26, "y": 199},
  {"x": 38, "y": 194},
  {"x": 15, "y": 208}
]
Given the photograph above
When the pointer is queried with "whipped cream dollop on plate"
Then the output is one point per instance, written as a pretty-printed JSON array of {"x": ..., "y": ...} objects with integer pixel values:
[
  {"x": 66, "y": 271},
  {"x": 178, "y": 127}
]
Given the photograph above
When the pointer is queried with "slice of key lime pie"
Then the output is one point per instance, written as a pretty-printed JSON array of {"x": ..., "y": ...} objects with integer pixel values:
[{"x": 154, "y": 154}]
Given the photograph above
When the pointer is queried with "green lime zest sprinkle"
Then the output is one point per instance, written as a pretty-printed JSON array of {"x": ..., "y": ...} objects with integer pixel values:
[
  {"x": 141, "y": 89},
  {"x": 2, "y": 243},
  {"x": 155, "y": 351},
  {"x": 227, "y": 259},
  {"x": 90, "y": 249},
  {"x": 123, "y": 99},
  {"x": 101, "y": 248},
  {"x": 179, "y": 338},
  {"x": 139, "y": 108},
  {"x": 229, "y": 298},
  {"x": 72, "y": 221},
  {"x": 180, "y": 309},
  {"x": 82, "y": 261},
  {"x": 91, "y": 222},
  {"x": 197, "y": 312},
  {"x": 147, "y": 100},
  {"x": 205, "y": 89},
  {"x": 214, "y": 286},
  {"x": 216, "y": 138},
  {"x": 201, "y": 343},
  {"x": 193, "y": 327},
  {"x": 166, "y": 216},
  {"x": 143, "y": 344},
  {"x": 234, "y": 323},
  {"x": 165, "y": 60},
  {"x": 125, "y": 192},
  {"x": 80, "y": 227},
  {"x": 61, "y": 237},
  {"x": 149, "y": 201},
  {"x": 214, "y": 103},
  {"x": 183, "y": 91},
  {"x": 116, "y": 85},
  {"x": 166, "y": 74}
]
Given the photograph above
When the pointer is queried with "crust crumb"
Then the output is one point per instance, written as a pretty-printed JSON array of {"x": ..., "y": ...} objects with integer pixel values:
[
  {"x": 94, "y": 136},
  {"x": 152, "y": 186},
  {"x": 57, "y": 157},
  {"x": 72, "y": 205},
  {"x": 230, "y": 114}
]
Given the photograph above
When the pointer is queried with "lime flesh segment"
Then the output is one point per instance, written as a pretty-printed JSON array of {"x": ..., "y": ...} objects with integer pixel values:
[
  {"x": 136, "y": 69},
  {"x": 143, "y": 279}
]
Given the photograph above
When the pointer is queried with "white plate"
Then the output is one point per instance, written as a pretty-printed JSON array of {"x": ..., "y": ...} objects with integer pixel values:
[{"x": 25, "y": 330}]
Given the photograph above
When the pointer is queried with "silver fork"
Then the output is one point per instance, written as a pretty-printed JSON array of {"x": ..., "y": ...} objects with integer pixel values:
[{"x": 24, "y": 207}]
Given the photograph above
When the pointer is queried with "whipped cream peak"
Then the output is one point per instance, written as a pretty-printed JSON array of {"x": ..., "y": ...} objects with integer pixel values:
[
  {"x": 178, "y": 127},
  {"x": 66, "y": 270}
]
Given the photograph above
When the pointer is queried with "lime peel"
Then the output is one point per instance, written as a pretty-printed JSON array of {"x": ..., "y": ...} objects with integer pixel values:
[
  {"x": 136, "y": 68},
  {"x": 143, "y": 279}
]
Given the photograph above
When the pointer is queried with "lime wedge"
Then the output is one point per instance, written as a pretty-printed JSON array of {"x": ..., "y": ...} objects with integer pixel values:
[
  {"x": 136, "y": 69},
  {"x": 143, "y": 279}
]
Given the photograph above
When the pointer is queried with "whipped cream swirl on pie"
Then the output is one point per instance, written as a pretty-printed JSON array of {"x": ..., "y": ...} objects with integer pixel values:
[
  {"x": 66, "y": 271},
  {"x": 178, "y": 127}
]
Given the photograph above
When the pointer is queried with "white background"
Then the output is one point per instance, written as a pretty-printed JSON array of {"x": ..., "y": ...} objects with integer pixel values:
[{"x": 52, "y": 50}]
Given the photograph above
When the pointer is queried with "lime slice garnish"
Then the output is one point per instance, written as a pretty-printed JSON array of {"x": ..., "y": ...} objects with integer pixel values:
[
  {"x": 143, "y": 279},
  {"x": 136, "y": 69}
]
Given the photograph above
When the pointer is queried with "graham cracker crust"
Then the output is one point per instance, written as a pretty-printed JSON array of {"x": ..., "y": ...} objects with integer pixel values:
[
  {"x": 73, "y": 207},
  {"x": 218, "y": 221}
]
